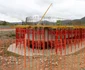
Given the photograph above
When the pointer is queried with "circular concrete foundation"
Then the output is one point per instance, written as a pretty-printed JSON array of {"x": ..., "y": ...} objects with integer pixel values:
[{"x": 29, "y": 52}]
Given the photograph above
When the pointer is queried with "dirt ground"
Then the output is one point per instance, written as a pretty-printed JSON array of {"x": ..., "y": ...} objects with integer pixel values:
[{"x": 10, "y": 61}]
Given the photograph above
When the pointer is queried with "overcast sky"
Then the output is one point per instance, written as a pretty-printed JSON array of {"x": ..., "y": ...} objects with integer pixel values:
[{"x": 15, "y": 10}]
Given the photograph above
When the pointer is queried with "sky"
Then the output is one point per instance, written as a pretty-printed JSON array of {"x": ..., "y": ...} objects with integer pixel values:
[{"x": 17, "y": 10}]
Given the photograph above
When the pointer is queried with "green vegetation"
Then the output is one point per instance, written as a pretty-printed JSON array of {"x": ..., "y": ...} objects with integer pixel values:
[
  {"x": 4, "y": 23},
  {"x": 7, "y": 35},
  {"x": 4, "y": 48},
  {"x": 6, "y": 39},
  {"x": 12, "y": 35},
  {"x": 7, "y": 53},
  {"x": 58, "y": 22}
]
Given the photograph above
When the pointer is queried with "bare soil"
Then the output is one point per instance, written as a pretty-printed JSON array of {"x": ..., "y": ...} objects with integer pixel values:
[{"x": 10, "y": 61}]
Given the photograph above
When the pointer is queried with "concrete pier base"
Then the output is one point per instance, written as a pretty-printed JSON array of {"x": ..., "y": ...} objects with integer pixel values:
[{"x": 29, "y": 52}]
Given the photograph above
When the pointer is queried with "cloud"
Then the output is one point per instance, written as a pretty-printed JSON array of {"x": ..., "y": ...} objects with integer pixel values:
[{"x": 69, "y": 9}]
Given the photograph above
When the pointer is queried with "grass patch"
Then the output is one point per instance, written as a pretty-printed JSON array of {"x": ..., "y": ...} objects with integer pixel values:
[
  {"x": 7, "y": 53},
  {"x": 12, "y": 35},
  {"x": 4, "y": 48}
]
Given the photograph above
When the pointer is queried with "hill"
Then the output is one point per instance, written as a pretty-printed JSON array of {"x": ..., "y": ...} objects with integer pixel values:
[{"x": 74, "y": 22}]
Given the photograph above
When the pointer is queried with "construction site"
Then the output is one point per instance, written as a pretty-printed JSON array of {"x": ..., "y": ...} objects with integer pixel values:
[{"x": 42, "y": 47}]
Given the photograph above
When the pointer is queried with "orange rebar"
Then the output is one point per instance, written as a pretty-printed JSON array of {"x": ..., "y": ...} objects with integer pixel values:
[
  {"x": 25, "y": 41},
  {"x": 56, "y": 41},
  {"x": 64, "y": 40},
  {"x": 43, "y": 39},
  {"x": 33, "y": 34},
  {"x": 60, "y": 42},
  {"x": 51, "y": 39}
]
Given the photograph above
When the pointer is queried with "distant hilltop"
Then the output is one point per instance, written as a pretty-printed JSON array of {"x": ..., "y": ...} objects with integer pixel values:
[
  {"x": 74, "y": 22},
  {"x": 47, "y": 22}
]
